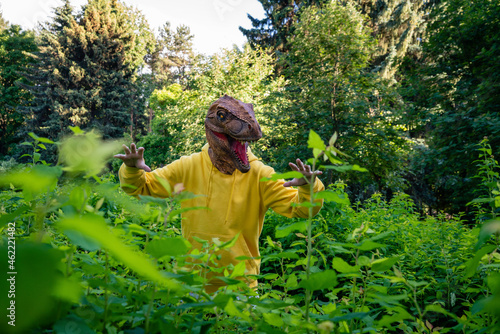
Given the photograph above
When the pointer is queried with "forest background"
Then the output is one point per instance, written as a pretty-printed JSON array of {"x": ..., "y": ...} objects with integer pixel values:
[
  {"x": 407, "y": 92},
  {"x": 410, "y": 87}
]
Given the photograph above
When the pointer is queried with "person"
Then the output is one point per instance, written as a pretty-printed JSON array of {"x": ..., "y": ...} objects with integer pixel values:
[{"x": 228, "y": 175}]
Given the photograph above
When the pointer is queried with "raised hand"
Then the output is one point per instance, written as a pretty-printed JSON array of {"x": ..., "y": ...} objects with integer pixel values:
[
  {"x": 305, "y": 170},
  {"x": 133, "y": 157}
]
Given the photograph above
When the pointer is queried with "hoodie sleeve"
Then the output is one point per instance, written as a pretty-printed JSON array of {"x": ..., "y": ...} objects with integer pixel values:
[
  {"x": 282, "y": 199},
  {"x": 135, "y": 181}
]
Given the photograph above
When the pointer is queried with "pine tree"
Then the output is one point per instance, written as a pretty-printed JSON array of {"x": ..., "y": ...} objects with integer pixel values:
[
  {"x": 14, "y": 43},
  {"x": 173, "y": 55},
  {"x": 86, "y": 72},
  {"x": 274, "y": 31}
]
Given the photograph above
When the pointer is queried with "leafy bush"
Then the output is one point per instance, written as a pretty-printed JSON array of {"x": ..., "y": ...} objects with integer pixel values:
[{"x": 89, "y": 258}]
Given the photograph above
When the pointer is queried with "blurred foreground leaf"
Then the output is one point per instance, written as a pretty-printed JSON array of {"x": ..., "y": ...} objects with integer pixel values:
[
  {"x": 31, "y": 286},
  {"x": 95, "y": 228},
  {"x": 86, "y": 153},
  {"x": 39, "y": 179}
]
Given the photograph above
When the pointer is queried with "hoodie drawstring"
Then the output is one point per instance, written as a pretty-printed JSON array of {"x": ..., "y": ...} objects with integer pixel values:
[{"x": 230, "y": 197}]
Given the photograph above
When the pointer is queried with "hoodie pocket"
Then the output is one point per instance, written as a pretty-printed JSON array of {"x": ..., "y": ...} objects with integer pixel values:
[{"x": 228, "y": 255}]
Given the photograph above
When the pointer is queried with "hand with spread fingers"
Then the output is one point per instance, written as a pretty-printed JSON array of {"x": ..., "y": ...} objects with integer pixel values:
[
  {"x": 133, "y": 157},
  {"x": 305, "y": 170}
]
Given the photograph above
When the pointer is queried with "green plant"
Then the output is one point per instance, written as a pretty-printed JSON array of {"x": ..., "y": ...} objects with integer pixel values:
[{"x": 89, "y": 258}]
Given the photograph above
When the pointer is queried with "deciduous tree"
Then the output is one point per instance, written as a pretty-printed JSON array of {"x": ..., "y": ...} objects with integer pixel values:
[
  {"x": 459, "y": 80},
  {"x": 179, "y": 115},
  {"x": 330, "y": 90}
]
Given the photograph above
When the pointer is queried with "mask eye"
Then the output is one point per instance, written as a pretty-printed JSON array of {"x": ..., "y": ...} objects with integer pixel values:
[{"x": 221, "y": 116}]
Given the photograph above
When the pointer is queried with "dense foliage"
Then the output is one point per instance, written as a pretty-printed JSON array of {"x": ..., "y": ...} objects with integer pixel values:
[
  {"x": 408, "y": 239},
  {"x": 275, "y": 30},
  {"x": 330, "y": 91},
  {"x": 461, "y": 70},
  {"x": 14, "y": 44},
  {"x": 89, "y": 258},
  {"x": 85, "y": 72}
]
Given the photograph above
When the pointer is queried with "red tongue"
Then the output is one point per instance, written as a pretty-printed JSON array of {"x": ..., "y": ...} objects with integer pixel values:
[
  {"x": 238, "y": 148},
  {"x": 241, "y": 151}
]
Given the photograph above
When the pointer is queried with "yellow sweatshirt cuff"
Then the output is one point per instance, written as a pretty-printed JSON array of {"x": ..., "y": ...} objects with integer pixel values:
[
  {"x": 131, "y": 170},
  {"x": 318, "y": 186}
]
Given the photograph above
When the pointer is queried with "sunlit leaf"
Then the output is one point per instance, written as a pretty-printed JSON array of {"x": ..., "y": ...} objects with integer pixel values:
[
  {"x": 283, "y": 231},
  {"x": 359, "y": 169},
  {"x": 159, "y": 248},
  {"x": 39, "y": 179},
  {"x": 232, "y": 310},
  {"x": 368, "y": 245},
  {"x": 287, "y": 175},
  {"x": 489, "y": 228},
  {"x": 343, "y": 267},
  {"x": 86, "y": 153},
  {"x": 76, "y": 130},
  {"x": 82, "y": 240},
  {"x": 230, "y": 243},
  {"x": 384, "y": 264},
  {"x": 320, "y": 280},
  {"x": 239, "y": 270},
  {"x": 67, "y": 290},
  {"x": 40, "y": 139},
  {"x": 315, "y": 141},
  {"x": 398, "y": 315},
  {"x": 273, "y": 319},
  {"x": 471, "y": 265},
  {"x": 330, "y": 196},
  {"x": 333, "y": 139},
  {"x": 164, "y": 183}
]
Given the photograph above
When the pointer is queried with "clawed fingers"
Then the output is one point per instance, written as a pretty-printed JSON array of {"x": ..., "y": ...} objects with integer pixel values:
[{"x": 132, "y": 148}]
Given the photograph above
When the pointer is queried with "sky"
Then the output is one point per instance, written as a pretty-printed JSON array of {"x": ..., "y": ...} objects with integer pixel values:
[{"x": 214, "y": 23}]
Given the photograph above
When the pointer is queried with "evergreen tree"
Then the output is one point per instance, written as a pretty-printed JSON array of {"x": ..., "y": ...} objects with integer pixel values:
[
  {"x": 399, "y": 26},
  {"x": 274, "y": 31},
  {"x": 86, "y": 72},
  {"x": 173, "y": 55},
  {"x": 3, "y": 23},
  {"x": 14, "y": 44}
]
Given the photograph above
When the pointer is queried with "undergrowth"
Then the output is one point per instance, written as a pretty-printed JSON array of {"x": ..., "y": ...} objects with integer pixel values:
[{"x": 82, "y": 257}]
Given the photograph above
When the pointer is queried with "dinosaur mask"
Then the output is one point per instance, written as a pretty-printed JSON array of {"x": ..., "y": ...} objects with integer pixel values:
[{"x": 230, "y": 124}]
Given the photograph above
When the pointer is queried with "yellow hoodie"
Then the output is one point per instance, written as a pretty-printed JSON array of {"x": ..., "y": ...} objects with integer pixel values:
[{"x": 237, "y": 203}]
